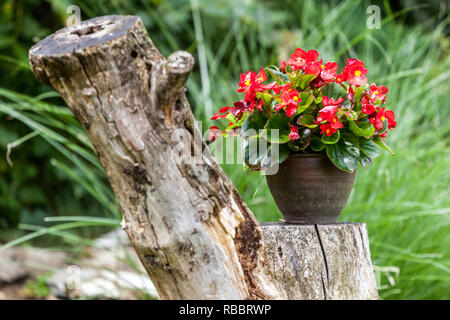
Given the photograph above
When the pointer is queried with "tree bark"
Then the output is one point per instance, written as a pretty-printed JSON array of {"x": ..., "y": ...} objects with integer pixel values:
[{"x": 190, "y": 228}]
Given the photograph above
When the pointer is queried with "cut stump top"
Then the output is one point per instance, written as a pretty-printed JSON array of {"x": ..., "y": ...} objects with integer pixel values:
[{"x": 88, "y": 33}]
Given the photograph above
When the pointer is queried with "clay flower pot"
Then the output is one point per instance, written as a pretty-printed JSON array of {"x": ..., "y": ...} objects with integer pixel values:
[{"x": 309, "y": 189}]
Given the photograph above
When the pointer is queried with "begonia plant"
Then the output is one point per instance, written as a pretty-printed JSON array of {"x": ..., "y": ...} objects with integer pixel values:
[{"x": 315, "y": 109}]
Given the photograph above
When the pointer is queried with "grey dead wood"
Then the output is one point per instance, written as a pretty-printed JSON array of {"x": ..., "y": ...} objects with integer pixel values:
[{"x": 192, "y": 231}]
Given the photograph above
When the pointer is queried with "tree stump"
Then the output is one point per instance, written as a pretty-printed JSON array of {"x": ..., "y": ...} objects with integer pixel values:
[
  {"x": 320, "y": 262},
  {"x": 190, "y": 228}
]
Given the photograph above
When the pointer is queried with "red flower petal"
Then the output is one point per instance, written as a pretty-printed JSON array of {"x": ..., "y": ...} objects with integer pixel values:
[
  {"x": 291, "y": 110},
  {"x": 314, "y": 68},
  {"x": 215, "y": 116},
  {"x": 368, "y": 109},
  {"x": 261, "y": 77}
]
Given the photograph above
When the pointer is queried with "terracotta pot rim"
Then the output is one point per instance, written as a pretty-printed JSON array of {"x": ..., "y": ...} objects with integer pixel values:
[{"x": 308, "y": 155}]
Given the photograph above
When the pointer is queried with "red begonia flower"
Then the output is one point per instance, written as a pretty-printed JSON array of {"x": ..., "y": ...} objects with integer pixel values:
[
  {"x": 214, "y": 131},
  {"x": 376, "y": 122},
  {"x": 335, "y": 123},
  {"x": 250, "y": 83},
  {"x": 368, "y": 108},
  {"x": 355, "y": 72},
  {"x": 224, "y": 109},
  {"x": 341, "y": 77},
  {"x": 378, "y": 93},
  {"x": 350, "y": 94},
  {"x": 378, "y": 118},
  {"x": 314, "y": 68},
  {"x": 316, "y": 83},
  {"x": 242, "y": 106},
  {"x": 365, "y": 99},
  {"x": 328, "y": 72},
  {"x": 381, "y": 115},
  {"x": 327, "y": 129},
  {"x": 259, "y": 105},
  {"x": 261, "y": 77},
  {"x": 246, "y": 80},
  {"x": 291, "y": 110},
  {"x": 390, "y": 116},
  {"x": 274, "y": 86},
  {"x": 293, "y": 135},
  {"x": 289, "y": 100},
  {"x": 327, "y": 114},
  {"x": 215, "y": 116},
  {"x": 277, "y": 88},
  {"x": 331, "y": 102},
  {"x": 300, "y": 58}
]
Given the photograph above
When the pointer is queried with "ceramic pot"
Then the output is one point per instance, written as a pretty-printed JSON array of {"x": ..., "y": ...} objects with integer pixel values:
[{"x": 309, "y": 189}]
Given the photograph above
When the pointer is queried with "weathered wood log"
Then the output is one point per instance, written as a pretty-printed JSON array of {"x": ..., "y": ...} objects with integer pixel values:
[
  {"x": 317, "y": 262},
  {"x": 188, "y": 224},
  {"x": 190, "y": 228}
]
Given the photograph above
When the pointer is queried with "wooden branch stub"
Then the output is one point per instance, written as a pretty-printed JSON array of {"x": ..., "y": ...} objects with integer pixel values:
[{"x": 316, "y": 262}]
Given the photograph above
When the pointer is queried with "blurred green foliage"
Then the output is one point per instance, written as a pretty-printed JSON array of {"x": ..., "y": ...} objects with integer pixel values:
[
  {"x": 37, "y": 288},
  {"x": 403, "y": 199}
]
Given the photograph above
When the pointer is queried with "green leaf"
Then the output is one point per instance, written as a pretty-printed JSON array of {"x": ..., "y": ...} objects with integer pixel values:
[
  {"x": 252, "y": 153},
  {"x": 331, "y": 139},
  {"x": 288, "y": 68},
  {"x": 383, "y": 144},
  {"x": 293, "y": 146},
  {"x": 358, "y": 93},
  {"x": 271, "y": 158},
  {"x": 350, "y": 115},
  {"x": 231, "y": 117},
  {"x": 368, "y": 147},
  {"x": 345, "y": 153},
  {"x": 277, "y": 74},
  {"x": 305, "y": 80},
  {"x": 361, "y": 129},
  {"x": 385, "y": 123},
  {"x": 256, "y": 121},
  {"x": 237, "y": 122},
  {"x": 307, "y": 99},
  {"x": 273, "y": 104},
  {"x": 307, "y": 120},
  {"x": 279, "y": 121},
  {"x": 364, "y": 160},
  {"x": 267, "y": 98},
  {"x": 261, "y": 155},
  {"x": 303, "y": 141},
  {"x": 295, "y": 80},
  {"x": 316, "y": 143}
]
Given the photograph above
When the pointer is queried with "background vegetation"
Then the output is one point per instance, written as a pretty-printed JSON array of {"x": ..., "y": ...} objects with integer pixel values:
[{"x": 48, "y": 168}]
